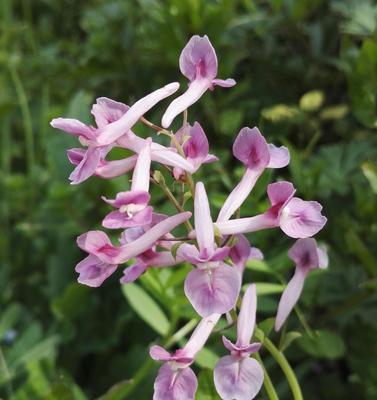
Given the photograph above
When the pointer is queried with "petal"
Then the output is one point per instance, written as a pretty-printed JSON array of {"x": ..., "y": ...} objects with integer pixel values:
[
  {"x": 170, "y": 384},
  {"x": 323, "y": 257},
  {"x": 117, "y": 219},
  {"x": 162, "y": 259},
  {"x": 194, "y": 92},
  {"x": 190, "y": 253},
  {"x": 227, "y": 83},
  {"x": 279, "y": 156},
  {"x": 213, "y": 291},
  {"x": 304, "y": 253},
  {"x": 220, "y": 253},
  {"x": 203, "y": 222},
  {"x": 238, "y": 378},
  {"x": 130, "y": 197},
  {"x": 87, "y": 166},
  {"x": 98, "y": 244},
  {"x": 112, "y": 169},
  {"x": 210, "y": 159},
  {"x": 106, "y": 111},
  {"x": 251, "y": 148},
  {"x": 158, "y": 353},
  {"x": 240, "y": 252},
  {"x": 75, "y": 155},
  {"x": 196, "y": 148},
  {"x": 239, "y": 194},
  {"x": 74, "y": 127},
  {"x": 93, "y": 271},
  {"x": 290, "y": 297},
  {"x": 246, "y": 317},
  {"x": 245, "y": 225},
  {"x": 133, "y": 272},
  {"x": 198, "y": 59},
  {"x": 116, "y": 129},
  {"x": 255, "y": 254},
  {"x": 301, "y": 219},
  {"x": 280, "y": 192},
  {"x": 141, "y": 174},
  {"x": 249, "y": 349}
]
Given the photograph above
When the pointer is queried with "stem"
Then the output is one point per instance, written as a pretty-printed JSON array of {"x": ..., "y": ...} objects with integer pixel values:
[
  {"x": 304, "y": 323},
  {"x": 284, "y": 365},
  {"x": 267, "y": 383}
]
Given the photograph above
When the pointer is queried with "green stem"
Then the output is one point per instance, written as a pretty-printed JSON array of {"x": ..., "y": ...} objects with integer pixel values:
[
  {"x": 267, "y": 383},
  {"x": 284, "y": 365},
  {"x": 304, "y": 323}
]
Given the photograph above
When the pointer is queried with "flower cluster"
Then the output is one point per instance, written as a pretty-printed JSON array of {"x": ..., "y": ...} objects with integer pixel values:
[{"x": 216, "y": 249}]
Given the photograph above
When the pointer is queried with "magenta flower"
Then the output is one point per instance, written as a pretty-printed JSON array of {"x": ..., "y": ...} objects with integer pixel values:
[
  {"x": 296, "y": 217},
  {"x": 241, "y": 252},
  {"x": 133, "y": 209},
  {"x": 195, "y": 146},
  {"x": 307, "y": 256},
  {"x": 104, "y": 255},
  {"x": 213, "y": 286},
  {"x": 239, "y": 377},
  {"x": 198, "y": 63},
  {"x": 251, "y": 148},
  {"x": 175, "y": 379}
]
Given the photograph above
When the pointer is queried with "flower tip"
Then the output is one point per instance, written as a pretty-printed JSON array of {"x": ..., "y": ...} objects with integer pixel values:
[{"x": 172, "y": 87}]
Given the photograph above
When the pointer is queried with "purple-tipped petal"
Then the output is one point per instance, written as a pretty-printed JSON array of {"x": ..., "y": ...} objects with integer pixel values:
[
  {"x": 133, "y": 272},
  {"x": 214, "y": 290},
  {"x": 238, "y": 378},
  {"x": 117, "y": 219},
  {"x": 93, "y": 272},
  {"x": 279, "y": 156},
  {"x": 226, "y": 83},
  {"x": 251, "y": 148},
  {"x": 246, "y": 317},
  {"x": 87, "y": 166},
  {"x": 171, "y": 384},
  {"x": 198, "y": 59},
  {"x": 112, "y": 169},
  {"x": 141, "y": 174},
  {"x": 203, "y": 222},
  {"x": 116, "y": 129},
  {"x": 302, "y": 219},
  {"x": 73, "y": 127},
  {"x": 290, "y": 296},
  {"x": 106, "y": 111}
]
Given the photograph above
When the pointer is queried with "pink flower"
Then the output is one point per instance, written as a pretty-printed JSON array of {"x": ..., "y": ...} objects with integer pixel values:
[
  {"x": 213, "y": 286},
  {"x": 195, "y": 146},
  {"x": 175, "y": 379},
  {"x": 296, "y": 217},
  {"x": 239, "y": 377},
  {"x": 241, "y": 252},
  {"x": 307, "y": 256},
  {"x": 198, "y": 63},
  {"x": 251, "y": 148}
]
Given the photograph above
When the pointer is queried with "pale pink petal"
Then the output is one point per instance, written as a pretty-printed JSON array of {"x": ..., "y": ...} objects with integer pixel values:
[
  {"x": 301, "y": 219},
  {"x": 240, "y": 252},
  {"x": 141, "y": 174},
  {"x": 87, "y": 166},
  {"x": 196, "y": 148},
  {"x": 280, "y": 192},
  {"x": 194, "y": 92},
  {"x": 246, "y": 317},
  {"x": 93, "y": 272},
  {"x": 279, "y": 156},
  {"x": 74, "y": 127},
  {"x": 220, "y": 253},
  {"x": 290, "y": 296},
  {"x": 117, "y": 219},
  {"x": 251, "y": 148},
  {"x": 226, "y": 83},
  {"x": 203, "y": 222},
  {"x": 245, "y": 225},
  {"x": 116, "y": 129},
  {"x": 158, "y": 353},
  {"x": 75, "y": 155},
  {"x": 238, "y": 378},
  {"x": 190, "y": 253},
  {"x": 133, "y": 272},
  {"x": 130, "y": 197},
  {"x": 198, "y": 59},
  {"x": 112, "y": 169},
  {"x": 304, "y": 253},
  {"x": 210, "y": 159},
  {"x": 213, "y": 291},
  {"x": 249, "y": 349},
  {"x": 323, "y": 257},
  {"x": 255, "y": 254},
  {"x": 98, "y": 244},
  {"x": 172, "y": 384},
  {"x": 106, "y": 111},
  {"x": 239, "y": 194},
  {"x": 162, "y": 259}
]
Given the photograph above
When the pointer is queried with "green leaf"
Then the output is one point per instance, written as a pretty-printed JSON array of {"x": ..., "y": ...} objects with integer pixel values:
[
  {"x": 206, "y": 386},
  {"x": 206, "y": 358},
  {"x": 258, "y": 265},
  {"x": 280, "y": 112},
  {"x": 287, "y": 339},
  {"x": 325, "y": 344},
  {"x": 312, "y": 101},
  {"x": 266, "y": 288},
  {"x": 9, "y": 317},
  {"x": 266, "y": 325},
  {"x": 146, "y": 308}
]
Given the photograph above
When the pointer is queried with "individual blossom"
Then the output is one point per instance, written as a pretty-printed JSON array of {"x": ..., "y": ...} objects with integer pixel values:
[
  {"x": 175, "y": 379},
  {"x": 213, "y": 286},
  {"x": 195, "y": 145},
  {"x": 297, "y": 218},
  {"x": 104, "y": 257},
  {"x": 198, "y": 63},
  {"x": 237, "y": 376},
  {"x": 251, "y": 148},
  {"x": 307, "y": 256},
  {"x": 133, "y": 209}
]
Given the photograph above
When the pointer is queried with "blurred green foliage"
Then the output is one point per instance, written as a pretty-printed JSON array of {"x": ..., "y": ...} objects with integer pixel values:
[{"x": 307, "y": 76}]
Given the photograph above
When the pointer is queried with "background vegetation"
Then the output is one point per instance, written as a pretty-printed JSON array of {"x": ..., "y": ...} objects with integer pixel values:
[{"x": 307, "y": 73}]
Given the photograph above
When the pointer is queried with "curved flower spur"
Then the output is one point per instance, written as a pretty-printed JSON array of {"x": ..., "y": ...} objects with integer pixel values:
[{"x": 218, "y": 251}]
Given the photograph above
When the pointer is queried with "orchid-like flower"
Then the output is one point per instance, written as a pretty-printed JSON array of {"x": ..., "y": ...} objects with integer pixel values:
[
  {"x": 195, "y": 146},
  {"x": 213, "y": 286},
  {"x": 104, "y": 257},
  {"x": 175, "y": 379},
  {"x": 239, "y": 377},
  {"x": 133, "y": 209},
  {"x": 297, "y": 218},
  {"x": 307, "y": 256},
  {"x": 198, "y": 63},
  {"x": 251, "y": 148}
]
